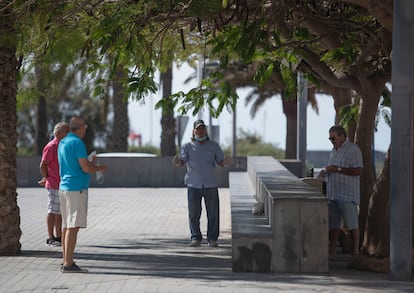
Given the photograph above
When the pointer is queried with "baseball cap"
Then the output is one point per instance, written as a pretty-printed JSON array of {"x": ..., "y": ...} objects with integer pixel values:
[{"x": 199, "y": 123}]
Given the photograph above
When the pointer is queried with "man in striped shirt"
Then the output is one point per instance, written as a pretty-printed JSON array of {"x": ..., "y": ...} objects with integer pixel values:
[{"x": 343, "y": 187}]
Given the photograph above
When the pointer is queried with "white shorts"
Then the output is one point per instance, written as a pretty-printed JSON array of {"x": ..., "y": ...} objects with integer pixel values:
[
  {"x": 53, "y": 203},
  {"x": 74, "y": 208}
]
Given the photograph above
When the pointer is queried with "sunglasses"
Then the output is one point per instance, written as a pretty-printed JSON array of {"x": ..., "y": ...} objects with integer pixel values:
[{"x": 332, "y": 138}]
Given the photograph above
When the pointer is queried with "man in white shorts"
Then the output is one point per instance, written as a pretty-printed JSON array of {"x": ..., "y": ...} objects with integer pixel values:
[
  {"x": 49, "y": 168},
  {"x": 74, "y": 183}
]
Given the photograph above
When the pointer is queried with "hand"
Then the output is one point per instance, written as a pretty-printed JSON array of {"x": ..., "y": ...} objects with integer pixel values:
[
  {"x": 42, "y": 182},
  {"x": 331, "y": 168},
  {"x": 177, "y": 161},
  {"x": 104, "y": 168},
  {"x": 322, "y": 174},
  {"x": 92, "y": 157},
  {"x": 227, "y": 161}
]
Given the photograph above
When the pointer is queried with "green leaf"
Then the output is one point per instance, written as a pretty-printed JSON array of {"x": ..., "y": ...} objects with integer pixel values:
[{"x": 264, "y": 72}]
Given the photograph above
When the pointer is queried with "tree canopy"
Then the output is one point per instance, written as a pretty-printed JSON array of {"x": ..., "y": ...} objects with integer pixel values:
[{"x": 336, "y": 44}]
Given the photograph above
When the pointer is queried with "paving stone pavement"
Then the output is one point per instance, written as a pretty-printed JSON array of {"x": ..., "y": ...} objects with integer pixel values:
[{"x": 137, "y": 241}]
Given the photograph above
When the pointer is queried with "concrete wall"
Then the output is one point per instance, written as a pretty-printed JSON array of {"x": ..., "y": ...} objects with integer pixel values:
[
  {"x": 138, "y": 171},
  {"x": 130, "y": 172}
]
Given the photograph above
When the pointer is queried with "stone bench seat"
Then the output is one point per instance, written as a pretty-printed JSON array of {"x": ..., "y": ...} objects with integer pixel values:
[
  {"x": 251, "y": 234},
  {"x": 292, "y": 233}
]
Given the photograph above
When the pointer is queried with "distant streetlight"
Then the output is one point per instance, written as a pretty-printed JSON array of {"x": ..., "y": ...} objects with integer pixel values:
[
  {"x": 302, "y": 119},
  {"x": 204, "y": 69}
]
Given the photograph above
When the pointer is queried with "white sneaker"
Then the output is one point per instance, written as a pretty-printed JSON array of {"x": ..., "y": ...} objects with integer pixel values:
[
  {"x": 195, "y": 243},
  {"x": 212, "y": 243}
]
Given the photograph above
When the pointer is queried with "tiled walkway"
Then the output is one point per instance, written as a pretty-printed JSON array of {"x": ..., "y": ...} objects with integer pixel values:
[{"x": 137, "y": 241}]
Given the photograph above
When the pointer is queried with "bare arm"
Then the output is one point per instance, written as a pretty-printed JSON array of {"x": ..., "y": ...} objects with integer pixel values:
[
  {"x": 88, "y": 167},
  {"x": 43, "y": 168},
  {"x": 43, "y": 172},
  {"x": 345, "y": 171}
]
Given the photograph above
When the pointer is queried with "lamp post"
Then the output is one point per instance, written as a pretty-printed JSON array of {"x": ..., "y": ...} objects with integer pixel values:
[{"x": 302, "y": 119}]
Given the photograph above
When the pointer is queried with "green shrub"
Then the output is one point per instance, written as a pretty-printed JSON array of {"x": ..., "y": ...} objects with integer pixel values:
[{"x": 251, "y": 144}]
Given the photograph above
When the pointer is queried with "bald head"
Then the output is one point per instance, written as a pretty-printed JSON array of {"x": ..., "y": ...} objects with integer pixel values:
[
  {"x": 78, "y": 126},
  {"x": 76, "y": 123}
]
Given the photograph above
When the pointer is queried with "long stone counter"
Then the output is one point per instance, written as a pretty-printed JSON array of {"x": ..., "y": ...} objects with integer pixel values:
[{"x": 295, "y": 219}]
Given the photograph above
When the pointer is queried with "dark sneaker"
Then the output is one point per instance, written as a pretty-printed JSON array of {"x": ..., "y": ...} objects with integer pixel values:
[
  {"x": 58, "y": 239},
  {"x": 212, "y": 243},
  {"x": 52, "y": 242},
  {"x": 73, "y": 269},
  {"x": 195, "y": 243},
  {"x": 61, "y": 265}
]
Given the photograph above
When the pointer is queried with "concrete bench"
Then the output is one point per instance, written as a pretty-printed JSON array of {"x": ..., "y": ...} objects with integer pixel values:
[
  {"x": 296, "y": 213},
  {"x": 251, "y": 234}
]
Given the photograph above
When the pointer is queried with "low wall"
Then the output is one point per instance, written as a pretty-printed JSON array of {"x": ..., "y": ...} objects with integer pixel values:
[
  {"x": 138, "y": 171},
  {"x": 130, "y": 172}
]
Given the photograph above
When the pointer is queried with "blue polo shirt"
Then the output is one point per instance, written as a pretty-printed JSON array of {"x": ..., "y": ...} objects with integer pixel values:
[
  {"x": 70, "y": 150},
  {"x": 201, "y": 159}
]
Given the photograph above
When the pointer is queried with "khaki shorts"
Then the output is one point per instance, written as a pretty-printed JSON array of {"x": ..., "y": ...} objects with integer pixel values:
[{"x": 74, "y": 208}]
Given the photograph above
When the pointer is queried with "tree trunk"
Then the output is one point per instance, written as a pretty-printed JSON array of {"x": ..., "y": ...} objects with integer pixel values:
[
  {"x": 290, "y": 108},
  {"x": 9, "y": 211},
  {"x": 364, "y": 139},
  {"x": 168, "y": 124},
  {"x": 377, "y": 230},
  {"x": 120, "y": 130},
  {"x": 343, "y": 97}
]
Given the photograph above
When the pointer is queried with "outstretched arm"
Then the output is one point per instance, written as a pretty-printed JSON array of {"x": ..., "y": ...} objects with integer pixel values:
[
  {"x": 177, "y": 161},
  {"x": 89, "y": 167}
]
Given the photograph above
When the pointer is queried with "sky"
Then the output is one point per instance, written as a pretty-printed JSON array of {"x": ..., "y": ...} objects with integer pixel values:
[{"x": 269, "y": 122}]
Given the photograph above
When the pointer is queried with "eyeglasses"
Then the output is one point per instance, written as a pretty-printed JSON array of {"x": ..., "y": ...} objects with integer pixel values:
[{"x": 332, "y": 138}]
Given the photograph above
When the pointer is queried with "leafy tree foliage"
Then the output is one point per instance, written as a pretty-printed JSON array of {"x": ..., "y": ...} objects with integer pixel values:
[
  {"x": 335, "y": 43},
  {"x": 66, "y": 94}
]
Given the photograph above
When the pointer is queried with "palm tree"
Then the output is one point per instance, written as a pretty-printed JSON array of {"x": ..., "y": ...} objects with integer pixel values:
[
  {"x": 9, "y": 211},
  {"x": 120, "y": 130},
  {"x": 168, "y": 126}
]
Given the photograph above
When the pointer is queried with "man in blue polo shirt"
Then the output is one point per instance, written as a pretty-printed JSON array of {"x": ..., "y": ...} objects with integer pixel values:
[
  {"x": 201, "y": 156},
  {"x": 73, "y": 190}
]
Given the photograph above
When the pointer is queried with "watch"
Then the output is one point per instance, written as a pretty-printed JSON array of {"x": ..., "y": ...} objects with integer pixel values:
[{"x": 339, "y": 169}]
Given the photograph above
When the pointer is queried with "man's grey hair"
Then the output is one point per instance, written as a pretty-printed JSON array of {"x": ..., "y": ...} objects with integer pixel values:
[
  {"x": 60, "y": 126},
  {"x": 338, "y": 129}
]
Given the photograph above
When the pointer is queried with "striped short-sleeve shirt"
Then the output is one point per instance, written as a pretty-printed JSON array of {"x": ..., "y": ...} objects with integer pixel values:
[{"x": 340, "y": 186}]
